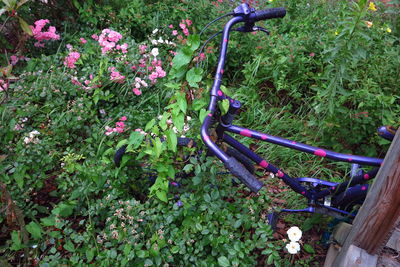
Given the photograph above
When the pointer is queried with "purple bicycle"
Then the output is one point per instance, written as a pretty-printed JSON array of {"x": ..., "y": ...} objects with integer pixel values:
[{"x": 335, "y": 199}]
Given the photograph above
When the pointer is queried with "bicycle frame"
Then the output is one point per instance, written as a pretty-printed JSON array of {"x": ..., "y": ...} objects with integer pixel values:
[{"x": 295, "y": 183}]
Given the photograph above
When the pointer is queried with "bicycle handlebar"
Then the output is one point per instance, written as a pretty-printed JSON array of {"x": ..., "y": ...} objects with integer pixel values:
[
  {"x": 243, "y": 174},
  {"x": 272, "y": 13}
]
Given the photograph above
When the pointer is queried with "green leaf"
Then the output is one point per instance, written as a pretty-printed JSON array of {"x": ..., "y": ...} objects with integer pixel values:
[
  {"x": 162, "y": 195},
  {"x": 16, "y": 241},
  {"x": 150, "y": 125},
  {"x": 35, "y": 230},
  {"x": 203, "y": 114},
  {"x": 193, "y": 41},
  {"x": 10, "y": 3},
  {"x": 64, "y": 209},
  {"x": 127, "y": 249},
  {"x": 223, "y": 261},
  {"x": 69, "y": 246},
  {"x": 158, "y": 148},
  {"x": 182, "y": 102},
  {"x": 181, "y": 59},
  {"x": 172, "y": 140},
  {"x": 25, "y": 27},
  {"x": 174, "y": 249},
  {"x": 223, "y": 106},
  {"x": 194, "y": 76},
  {"x": 90, "y": 254},
  {"x": 135, "y": 139},
  {"x": 179, "y": 121},
  {"x": 309, "y": 249},
  {"x": 48, "y": 221}
]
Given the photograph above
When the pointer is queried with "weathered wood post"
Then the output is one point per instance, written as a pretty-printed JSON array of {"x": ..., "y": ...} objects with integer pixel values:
[{"x": 378, "y": 216}]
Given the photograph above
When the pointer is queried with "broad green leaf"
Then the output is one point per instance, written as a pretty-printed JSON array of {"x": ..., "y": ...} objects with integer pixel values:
[
  {"x": 158, "y": 147},
  {"x": 16, "y": 241},
  {"x": 179, "y": 121},
  {"x": 193, "y": 41},
  {"x": 69, "y": 246},
  {"x": 162, "y": 195},
  {"x": 25, "y": 27},
  {"x": 181, "y": 59},
  {"x": 35, "y": 230},
  {"x": 64, "y": 209},
  {"x": 48, "y": 221},
  {"x": 182, "y": 102},
  {"x": 309, "y": 249},
  {"x": 135, "y": 139},
  {"x": 150, "y": 125},
  {"x": 90, "y": 254},
  {"x": 203, "y": 114},
  {"x": 194, "y": 76},
  {"x": 223, "y": 106},
  {"x": 223, "y": 261},
  {"x": 172, "y": 140}
]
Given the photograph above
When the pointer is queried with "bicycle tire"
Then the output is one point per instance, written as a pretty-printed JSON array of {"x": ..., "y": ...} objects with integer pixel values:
[{"x": 348, "y": 199}]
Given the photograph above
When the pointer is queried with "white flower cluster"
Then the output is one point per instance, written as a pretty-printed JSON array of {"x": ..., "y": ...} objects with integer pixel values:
[
  {"x": 294, "y": 234},
  {"x": 31, "y": 138}
]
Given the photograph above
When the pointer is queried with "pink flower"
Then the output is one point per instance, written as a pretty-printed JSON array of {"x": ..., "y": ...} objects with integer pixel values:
[
  {"x": 71, "y": 59},
  {"x": 202, "y": 56},
  {"x": 182, "y": 26},
  {"x": 174, "y": 32},
  {"x": 95, "y": 37},
  {"x": 186, "y": 31},
  {"x": 68, "y": 46},
  {"x": 3, "y": 85},
  {"x": 14, "y": 59},
  {"x": 83, "y": 40},
  {"x": 76, "y": 82},
  {"x": 170, "y": 26},
  {"x": 312, "y": 54},
  {"x": 173, "y": 52},
  {"x": 123, "y": 118},
  {"x": 136, "y": 91},
  {"x": 188, "y": 22},
  {"x": 120, "y": 124},
  {"x": 142, "y": 49}
]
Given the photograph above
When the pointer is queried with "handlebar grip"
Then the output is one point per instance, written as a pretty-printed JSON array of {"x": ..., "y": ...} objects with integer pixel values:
[
  {"x": 272, "y": 13},
  {"x": 243, "y": 174}
]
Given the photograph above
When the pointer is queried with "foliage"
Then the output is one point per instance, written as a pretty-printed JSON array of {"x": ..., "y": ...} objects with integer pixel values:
[{"x": 123, "y": 73}]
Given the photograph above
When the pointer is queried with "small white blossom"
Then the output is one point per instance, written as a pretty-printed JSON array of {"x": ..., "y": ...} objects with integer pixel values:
[
  {"x": 154, "y": 52},
  {"x": 293, "y": 247},
  {"x": 294, "y": 233},
  {"x": 155, "y": 31}
]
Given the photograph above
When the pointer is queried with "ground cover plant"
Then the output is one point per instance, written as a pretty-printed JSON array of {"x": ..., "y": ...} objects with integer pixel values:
[{"x": 79, "y": 80}]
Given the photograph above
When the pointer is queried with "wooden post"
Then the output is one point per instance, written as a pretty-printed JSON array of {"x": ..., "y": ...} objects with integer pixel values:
[{"x": 380, "y": 213}]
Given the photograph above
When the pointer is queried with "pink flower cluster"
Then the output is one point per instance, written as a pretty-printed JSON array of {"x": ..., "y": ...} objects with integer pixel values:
[
  {"x": 87, "y": 84},
  {"x": 158, "y": 73},
  {"x": 119, "y": 127},
  {"x": 139, "y": 83},
  {"x": 71, "y": 59},
  {"x": 43, "y": 36},
  {"x": 183, "y": 26},
  {"x": 14, "y": 59},
  {"x": 115, "y": 76},
  {"x": 108, "y": 40}
]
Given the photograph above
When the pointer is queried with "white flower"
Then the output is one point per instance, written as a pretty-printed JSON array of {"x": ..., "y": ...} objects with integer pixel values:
[
  {"x": 155, "y": 31},
  {"x": 294, "y": 233},
  {"x": 154, "y": 42},
  {"x": 27, "y": 140},
  {"x": 188, "y": 118},
  {"x": 175, "y": 129},
  {"x": 154, "y": 52},
  {"x": 160, "y": 40},
  {"x": 293, "y": 247}
]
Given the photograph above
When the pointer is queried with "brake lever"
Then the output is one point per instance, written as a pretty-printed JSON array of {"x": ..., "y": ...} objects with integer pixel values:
[{"x": 251, "y": 29}]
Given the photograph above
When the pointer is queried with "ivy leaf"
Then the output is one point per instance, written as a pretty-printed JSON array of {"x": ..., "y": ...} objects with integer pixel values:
[
  {"x": 194, "y": 76},
  {"x": 25, "y": 27},
  {"x": 223, "y": 261},
  {"x": 35, "y": 230}
]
